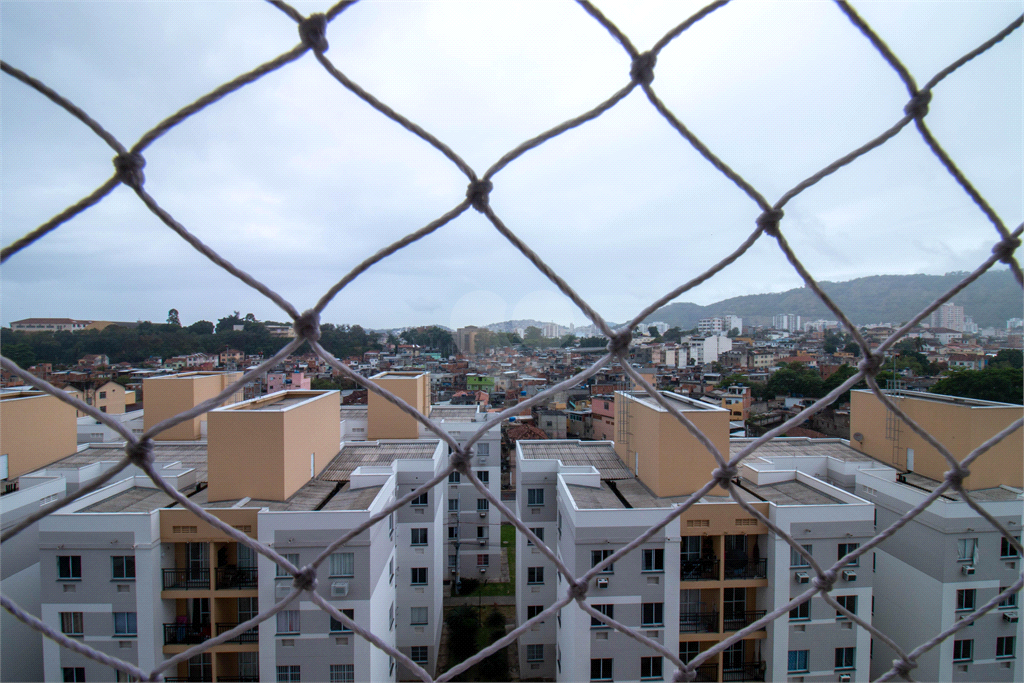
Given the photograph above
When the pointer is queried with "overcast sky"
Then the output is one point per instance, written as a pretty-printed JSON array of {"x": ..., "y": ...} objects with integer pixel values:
[{"x": 295, "y": 180}]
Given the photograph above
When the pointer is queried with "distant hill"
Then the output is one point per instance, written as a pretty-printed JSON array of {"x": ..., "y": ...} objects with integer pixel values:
[{"x": 990, "y": 301}]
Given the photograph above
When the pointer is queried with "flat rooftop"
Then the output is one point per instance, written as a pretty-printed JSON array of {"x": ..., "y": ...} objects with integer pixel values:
[
  {"x": 354, "y": 412},
  {"x": 135, "y": 499},
  {"x": 991, "y": 495},
  {"x": 599, "y": 454},
  {"x": 453, "y": 413},
  {"x": 953, "y": 400},
  {"x": 791, "y": 492},
  {"x": 375, "y": 453},
  {"x": 802, "y": 445},
  {"x": 189, "y": 455},
  {"x": 679, "y": 402}
]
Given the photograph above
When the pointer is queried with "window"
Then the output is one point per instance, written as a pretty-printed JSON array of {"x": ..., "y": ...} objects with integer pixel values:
[
  {"x": 653, "y": 560},
  {"x": 535, "y": 653},
  {"x": 288, "y": 621},
  {"x": 103, "y": 409},
  {"x": 484, "y": 476},
  {"x": 650, "y": 668},
  {"x": 598, "y": 556},
  {"x": 559, "y": 524},
  {"x": 122, "y": 567},
  {"x": 600, "y": 669},
  {"x": 453, "y": 532},
  {"x": 847, "y": 601},
  {"x": 418, "y": 654},
  {"x": 419, "y": 536},
  {"x": 125, "y": 624},
  {"x": 342, "y": 564},
  {"x": 454, "y": 478},
  {"x": 71, "y": 623},
  {"x": 281, "y": 571},
  {"x": 535, "y": 575},
  {"x": 689, "y": 548},
  {"x": 1004, "y": 646},
  {"x": 343, "y": 673},
  {"x": 534, "y": 496},
  {"x": 607, "y": 610},
  {"x": 798, "y": 660},
  {"x": 537, "y": 530},
  {"x": 73, "y": 674},
  {"x": 482, "y": 504},
  {"x": 391, "y": 525},
  {"x": 391, "y": 616},
  {"x": 419, "y": 576},
  {"x": 483, "y": 449},
  {"x": 966, "y": 549},
  {"x": 533, "y": 610},
  {"x": 338, "y": 626},
  {"x": 845, "y": 657},
  {"x": 652, "y": 614},
  {"x": 453, "y": 505},
  {"x": 963, "y": 650},
  {"x": 69, "y": 567},
  {"x": 391, "y": 666},
  {"x": 483, "y": 560},
  {"x": 798, "y": 560},
  {"x": 418, "y": 500},
  {"x": 418, "y": 616},
  {"x": 453, "y": 561},
  {"x": 801, "y": 611},
  {"x": 688, "y": 650},
  {"x": 846, "y": 549},
  {"x": 965, "y": 599},
  {"x": 1010, "y": 601},
  {"x": 103, "y": 394},
  {"x": 1006, "y": 548},
  {"x": 288, "y": 674}
]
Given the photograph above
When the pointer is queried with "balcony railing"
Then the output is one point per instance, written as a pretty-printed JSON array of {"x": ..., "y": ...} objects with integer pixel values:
[
  {"x": 734, "y": 621},
  {"x": 250, "y": 636},
  {"x": 704, "y": 569},
  {"x": 236, "y": 577},
  {"x": 186, "y": 634},
  {"x": 186, "y": 579},
  {"x": 238, "y": 679},
  {"x": 698, "y": 622},
  {"x": 706, "y": 673},
  {"x": 746, "y": 569},
  {"x": 188, "y": 679},
  {"x": 750, "y": 671}
]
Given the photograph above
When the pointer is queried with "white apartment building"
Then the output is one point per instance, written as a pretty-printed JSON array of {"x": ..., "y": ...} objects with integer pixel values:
[
  {"x": 788, "y": 322},
  {"x": 720, "y": 324}
]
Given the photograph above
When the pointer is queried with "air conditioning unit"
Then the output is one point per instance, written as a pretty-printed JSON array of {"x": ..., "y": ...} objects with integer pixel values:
[
  {"x": 844, "y": 678},
  {"x": 454, "y": 570},
  {"x": 483, "y": 541},
  {"x": 1010, "y": 617},
  {"x": 849, "y": 575},
  {"x": 339, "y": 589},
  {"x": 483, "y": 513},
  {"x": 802, "y": 577},
  {"x": 602, "y": 583},
  {"x": 483, "y": 570},
  {"x": 967, "y": 570}
]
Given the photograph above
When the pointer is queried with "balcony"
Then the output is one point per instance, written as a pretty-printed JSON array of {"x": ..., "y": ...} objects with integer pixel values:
[
  {"x": 705, "y": 569},
  {"x": 706, "y": 673},
  {"x": 250, "y": 636},
  {"x": 750, "y": 671},
  {"x": 734, "y": 621},
  {"x": 699, "y": 622},
  {"x": 746, "y": 569},
  {"x": 186, "y": 634},
  {"x": 241, "y": 679},
  {"x": 187, "y": 679},
  {"x": 236, "y": 577},
  {"x": 186, "y": 579}
]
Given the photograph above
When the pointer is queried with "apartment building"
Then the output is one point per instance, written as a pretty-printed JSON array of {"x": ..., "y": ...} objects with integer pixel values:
[
  {"x": 170, "y": 395},
  {"x": 37, "y": 429},
  {"x": 109, "y": 397},
  {"x": 587, "y": 499}
]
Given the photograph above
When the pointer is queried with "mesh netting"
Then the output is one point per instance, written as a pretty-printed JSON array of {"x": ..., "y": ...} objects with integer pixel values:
[{"x": 129, "y": 163}]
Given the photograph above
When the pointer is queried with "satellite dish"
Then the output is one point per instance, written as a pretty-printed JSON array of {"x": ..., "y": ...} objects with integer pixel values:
[{"x": 857, "y": 436}]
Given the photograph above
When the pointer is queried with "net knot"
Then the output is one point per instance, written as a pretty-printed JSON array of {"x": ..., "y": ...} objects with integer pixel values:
[
  {"x": 313, "y": 32},
  {"x": 871, "y": 364},
  {"x": 642, "y": 69},
  {"x": 918, "y": 104},
  {"x": 686, "y": 674},
  {"x": 618, "y": 345},
  {"x": 723, "y": 475},
  {"x": 307, "y": 326},
  {"x": 769, "y": 221},
  {"x": 903, "y": 667},
  {"x": 825, "y": 580},
  {"x": 129, "y": 169},
  {"x": 956, "y": 477},
  {"x": 1004, "y": 250},
  {"x": 305, "y": 580},
  {"x": 140, "y": 454},
  {"x": 460, "y": 461},
  {"x": 578, "y": 589},
  {"x": 479, "y": 194}
]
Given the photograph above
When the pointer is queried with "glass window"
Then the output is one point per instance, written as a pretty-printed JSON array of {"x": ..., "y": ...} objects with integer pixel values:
[
  {"x": 342, "y": 564},
  {"x": 122, "y": 567},
  {"x": 483, "y": 560},
  {"x": 533, "y": 610},
  {"x": 798, "y": 560},
  {"x": 607, "y": 610},
  {"x": 652, "y": 614},
  {"x": 391, "y": 570},
  {"x": 418, "y": 654},
  {"x": 966, "y": 549},
  {"x": 650, "y": 668},
  {"x": 965, "y": 598},
  {"x": 600, "y": 669},
  {"x": 1004, "y": 646},
  {"x": 963, "y": 650},
  {"x": 453, "y": 532},
  {"x": 453, "y": 561},
  {"x": 343, "y": 673},
  {"x": 339, "y": 626},
  {"x": 71, "y": 623},
  {"x": 73, "y": 674},
  {"x": 798, "y": 660},
  {"x": 689, "y": 548},
  {"x": 418, "y": 616},
  {"x": 419, "y": 536},
  {"x": 484, "y": 476},
  {"x": 289, "y": 674},
  {"x": 801, "y": 611},
  {"x": 847, "y": 601},
  {"x": 391, "y": 616},
  {"x": 534, "y": 496},
  {"x": 1006, "y": 548},
  {"x": 598, "y": 556},
  {"x": 288, "y": 621},
  {"x": 453, "y": 505},
  {"x": 535, "y": 653},
  {"x": 483, "y": 449},
  {"x": 419, "y": 576},
  {"x": 537, "y": 530},
  {"x": 69, "y": 566},
  {"x": 291, "y": 557},
  {"x": 1011, "y": 599},
  {"x": 653, "y": 560},
  {"x": 418, "y": 500},
  {"x": 483, "y": 504},
  {"x": 689, "y": 650},
  {"x": 481, "y": 532},
  {"x": 846, "y": 657},
  {"x": 454, "y": 478},
  {"x": 846, "y": 549},
  {"x": 125, "y": 624},
  {"x": 535, "y": 575}
]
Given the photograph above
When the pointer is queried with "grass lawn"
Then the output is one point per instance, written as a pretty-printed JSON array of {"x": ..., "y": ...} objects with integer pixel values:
[{"x": 508, "y": 542}]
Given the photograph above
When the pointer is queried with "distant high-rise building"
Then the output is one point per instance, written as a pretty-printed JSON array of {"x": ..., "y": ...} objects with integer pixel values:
[
  {"x": 950, "y": 316},
  {"x": 786, "y": 321},
  {"x": 465, "y": 339},
  {"x": 720, "y": 324}
]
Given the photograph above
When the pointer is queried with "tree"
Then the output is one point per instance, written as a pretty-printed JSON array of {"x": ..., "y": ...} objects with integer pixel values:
[
  {"x": 172, "y": 317},
  {"x": 201, "y": 327},
  {"x": 250, "y": 318},
  {"x": 227, "y": 323},
  {"x": 734, "y": 332},
  {"x": 673, "y": 334},
  {"x": 590, "y": 342},
  {"x": 852, "y": 348},
  {"x": 568, "y": 340},
  {"x": 1002, "y": 383},
  {"x": 731, "y": 380},
  {"x": 1012, "y": 357},
  {"x": 533, "y": 336}
]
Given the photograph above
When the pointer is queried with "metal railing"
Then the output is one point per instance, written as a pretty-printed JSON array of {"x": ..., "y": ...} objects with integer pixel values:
[
  {"x": 250, "y": 636},
  {"x": 704, "y": 569},
  {"x": 237, "y": 577},
  {"x": 734, "y": 621},
  {"x": 186, "y": 579},
  {"x": 707, "y": 673},
  {"x": 749, "y": 671},
  {"x": 746, "y": 569},
  {"x": 698, "y": 622},
  {"x": 186, "y": 634}
]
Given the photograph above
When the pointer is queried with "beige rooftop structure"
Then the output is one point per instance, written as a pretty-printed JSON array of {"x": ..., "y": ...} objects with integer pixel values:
[
  {"x": 171, "y": 395},
  {"x": 269, "y": 447},
  {"x": 388, "y": 421},
  {"x": 36, "y": 429},
  {"x": 960, "y": 424}
]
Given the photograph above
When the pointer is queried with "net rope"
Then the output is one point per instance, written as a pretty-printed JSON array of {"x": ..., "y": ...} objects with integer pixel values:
[{"x": 129, "y": 164}]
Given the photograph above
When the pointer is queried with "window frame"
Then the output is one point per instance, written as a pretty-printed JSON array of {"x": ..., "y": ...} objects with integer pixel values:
[
  {"x": 282, "y": 573},
  {"x": 288, "y": 673},
  {"x": 124, "y": 567},
  {"x": 130, "y": 623},
  {"x": 539, "y": 531},
  {"x": 483, "y": 560},
  {"x": 966, "y": 549},
  {"x": 962, "y": 645},
  {"x": 77, "y": 673},
  {"x": 607, "y": 609},
  {"x": 73, "y": 569},
  {"x": 1006, "y": 549},
  {"x": 420, "y": 654},
  {"x": 604, "y": 553},
  {"x": 484, "y": 476},
  {"x": 339, "y": 626},
  {"x": 421, "y": 500},
  {"x": 454, "y": 477},
  {"x": 802, "y": 612},
  {"x": 535, "y": 652},
  {"x": 650, "y": 663},
  {"x": 418, "y": 576},
  {"x": 848, "y": 654},
  {"x": 804, "y": 655},
  {"x": 342, "y": 673},
  {"x": 535, "y": 576},
  {"x": 601, "y": 663},
  {"x": 652, "y": 560},
  {"x": 341, "y": 565},
  {"x": 653, "y": 610},
  {"x": 453, "y": 505},
  {"x": 288, "y": 616},
  {"x": 483, "y": 505},
  {"x": 849, "y": 548},
  {"x": 846, "y": 601},
  {"x": 73, "y": 624},
  {"x": 1011, "y": 600},
  {"x": 966, "y": 599},
  {"x": 533, "y": 610},
  {"x": 1007, "y": 652},
  {"x": 418, "y": 536},
  {"x": 795, "y": 557},
  {"x": 535, "y": 497}
]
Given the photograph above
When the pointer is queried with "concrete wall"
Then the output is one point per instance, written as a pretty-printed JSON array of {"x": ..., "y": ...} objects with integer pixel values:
[
  {"x": 36, "y": 429},
  {"x": 168, "y": 396},
  {"x": 385, "y": 419}
]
